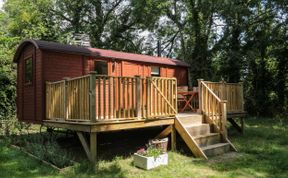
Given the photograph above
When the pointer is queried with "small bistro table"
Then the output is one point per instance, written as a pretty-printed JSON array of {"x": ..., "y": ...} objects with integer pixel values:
[{"x": 188, "y": 96}]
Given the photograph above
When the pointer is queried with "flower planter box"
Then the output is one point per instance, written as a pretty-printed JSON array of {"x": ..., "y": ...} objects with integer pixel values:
[{"x": 150, "y": 162}]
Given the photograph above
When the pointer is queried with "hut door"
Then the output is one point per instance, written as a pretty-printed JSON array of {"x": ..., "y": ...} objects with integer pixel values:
[{"x": 28, "y": 103}]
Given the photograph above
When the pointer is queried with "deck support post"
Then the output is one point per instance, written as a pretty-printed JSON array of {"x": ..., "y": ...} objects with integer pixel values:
[
  {"x": 173, "y": 138},
  {"x": 200, "y": 95},
  {"x": 138, "y": 102},
  {"x": 93, "y": 146},
  {"x": 92, "y": 98},
  {"x": 92, "y": 151}
]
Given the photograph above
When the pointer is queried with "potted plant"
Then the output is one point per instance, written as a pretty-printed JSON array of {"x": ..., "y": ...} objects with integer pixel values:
[{"x": 150, "y": 158}]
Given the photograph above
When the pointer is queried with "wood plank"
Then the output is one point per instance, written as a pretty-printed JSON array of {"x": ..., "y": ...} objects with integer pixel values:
[
  {"x": 109, "y": 98},
  {"x": 85, "y": 145},
  {"x": 104, "y": 98},
  {"x": 165, "y": 132},
  {"x": 99, "y": 98},
  {"x": 131, "y": 125},
  {"x": 119, "y": 97},
  {"x": 138, "y": 99},
  {"x": 114, "y": 97}
]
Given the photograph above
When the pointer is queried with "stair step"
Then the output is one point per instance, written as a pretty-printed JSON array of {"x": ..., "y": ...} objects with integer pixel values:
[
  {"x": 208, "y": 139},
  {"x": 201, "y": 129},
  {"x": 216, "y": 149},
  {"x": 191, "y": 119}
]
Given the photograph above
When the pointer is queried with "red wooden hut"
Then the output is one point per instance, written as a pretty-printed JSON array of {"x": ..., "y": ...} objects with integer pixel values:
[
  {"x": 94, "y": 90},
  {"x": 42, "y": 61}
]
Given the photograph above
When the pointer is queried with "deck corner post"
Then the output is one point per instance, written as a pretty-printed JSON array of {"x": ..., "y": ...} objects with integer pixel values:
[
  {"x": 138, "y": 102},
  {"x": 200, "y": 95},
  {"x": 92, "y": 99}
]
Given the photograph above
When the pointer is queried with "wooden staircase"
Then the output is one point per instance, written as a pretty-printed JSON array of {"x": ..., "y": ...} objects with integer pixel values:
[{"x": 203, "y": 139}]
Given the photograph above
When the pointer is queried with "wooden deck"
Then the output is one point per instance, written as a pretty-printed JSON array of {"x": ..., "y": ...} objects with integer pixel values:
[{"x": 93, "y": 104}]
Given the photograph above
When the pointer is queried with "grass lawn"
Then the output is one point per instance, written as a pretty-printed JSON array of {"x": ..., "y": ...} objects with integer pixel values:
[{"x": 262, "y": 152}]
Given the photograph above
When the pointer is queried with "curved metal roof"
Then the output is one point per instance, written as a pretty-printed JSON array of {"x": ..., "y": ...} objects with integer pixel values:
[{"x": 95, "y": 52}]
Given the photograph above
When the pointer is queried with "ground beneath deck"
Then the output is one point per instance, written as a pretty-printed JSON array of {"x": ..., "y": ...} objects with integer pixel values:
[{"x": 112, "y": 144}]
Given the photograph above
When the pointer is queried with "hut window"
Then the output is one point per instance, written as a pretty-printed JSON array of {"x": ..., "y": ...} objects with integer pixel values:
[
  {"x": 155, "y": 71},
  {"x": 28, "y": 70},
  {"x": 101, "y": 67}
]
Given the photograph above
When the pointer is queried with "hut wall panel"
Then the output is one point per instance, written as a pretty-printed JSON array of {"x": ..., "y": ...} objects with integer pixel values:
[
  {"x": 58, "y": 65},
  {"x": 39, "y": 86},
  {"x": 86, "y": 62},
  {"x": 28, "y": 97},
  {"x": 130, "y": 69}
]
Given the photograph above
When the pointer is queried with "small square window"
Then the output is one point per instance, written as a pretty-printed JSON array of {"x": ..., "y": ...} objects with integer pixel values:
[
  {"x": 155, "y": 71},
  {"x": 101, "y": 67},
  {"x": 28, "y": 70}
]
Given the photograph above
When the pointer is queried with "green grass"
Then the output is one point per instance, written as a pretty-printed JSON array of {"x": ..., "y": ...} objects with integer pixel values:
[
  {"x": 262, "y": 152},
  {"x": 16, "y": 164}
]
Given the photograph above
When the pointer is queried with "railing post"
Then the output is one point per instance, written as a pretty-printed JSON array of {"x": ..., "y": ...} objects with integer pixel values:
[
  {"x": 65, "y": 98},
  {"x": 92, "y": 98},
  {"x": 223, "y": 118},
  {"x": 223, "y": 94},
  {"x": 148, "y": 96},
  {"x": 175, "y": 96},
  {"x": 138, "y": 102},
  {"x": 200, "y": 96},
  {"x": 241, "y": 96}
]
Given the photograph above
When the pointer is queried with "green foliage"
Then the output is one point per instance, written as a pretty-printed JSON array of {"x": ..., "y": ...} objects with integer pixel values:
[
  {"x": 7, "y": 77},
  {"x": 233, "y": 40},
  {"x": 153, "y": 152}
]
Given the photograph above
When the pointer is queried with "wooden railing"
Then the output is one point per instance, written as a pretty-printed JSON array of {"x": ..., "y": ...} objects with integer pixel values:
[
  {"x": 231, "y": 92},
  {"x": 98, "y": 97},
  {"x": 63, "y": 99},
  {"x": 213, "y": 108}
]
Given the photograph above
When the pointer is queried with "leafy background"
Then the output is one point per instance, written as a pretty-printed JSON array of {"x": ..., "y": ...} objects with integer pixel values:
[{"x": 244, "y": 40}]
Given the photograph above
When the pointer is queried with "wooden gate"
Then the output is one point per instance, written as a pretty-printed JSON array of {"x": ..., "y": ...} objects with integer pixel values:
[{"x": 162, "y": 100}]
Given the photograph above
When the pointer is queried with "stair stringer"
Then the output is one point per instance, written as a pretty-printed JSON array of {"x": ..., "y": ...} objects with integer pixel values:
[{"x": 189, "y": 140}]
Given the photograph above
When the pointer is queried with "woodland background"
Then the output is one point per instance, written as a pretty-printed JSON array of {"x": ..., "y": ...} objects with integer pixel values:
[{"x": 241, "y": 40}]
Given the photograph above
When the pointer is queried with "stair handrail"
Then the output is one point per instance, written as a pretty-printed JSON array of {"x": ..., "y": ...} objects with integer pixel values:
[{"x": 213, "y": 108}]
